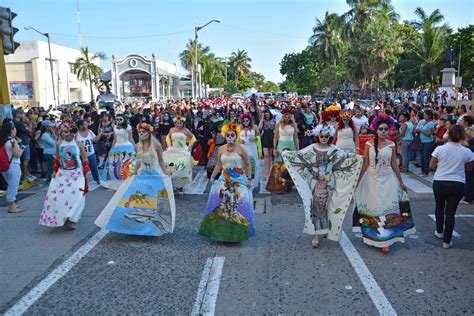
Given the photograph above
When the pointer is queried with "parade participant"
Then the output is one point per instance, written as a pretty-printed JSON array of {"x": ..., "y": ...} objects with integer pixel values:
[
  {"x": 177, "y": 156},
  {"x": 87, "y": 138},
  {"x": 12, "y": 174},
  {"x": 214, "y": 144},
  {"x": 166, "y": 123},
  {"x": 250, "y": 140},
  {"x": 450, "y": 161},
  {"x": 229, "y": 214},
  {"x": 65, "y": 199},
  {"x": 144, "y": 204},
  {"x": 122, "y": 156},
  {"x": 106, "y": 132},
  {"x": 331, "y": 115},
  {"x": 325, "y": 178},
  {"x": 379, "y": 191},
  {"x": 346, "y": 134},
  {"x": 364, "y": 137},
  {"x": 267, "y": 130},
  {"x": 286, "y": 138}
]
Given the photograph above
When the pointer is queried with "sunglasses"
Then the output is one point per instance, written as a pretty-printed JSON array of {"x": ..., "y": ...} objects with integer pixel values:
[{"x": 382, "y": 129}]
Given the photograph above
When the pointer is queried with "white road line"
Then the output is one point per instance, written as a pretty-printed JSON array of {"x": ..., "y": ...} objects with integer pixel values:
[
  {"x": 199, "y": 184},
  {"x": 208, "y": 289},
  {"x": 455, "y": 233},
  {"x": 263, "y": 183},
  {"x": 415, "y": 185},
  {"x": 34, "y": 294},
  {"x": 375, "y": 292}
]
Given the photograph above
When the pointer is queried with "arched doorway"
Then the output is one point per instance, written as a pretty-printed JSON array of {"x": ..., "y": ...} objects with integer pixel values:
[{"x": 135, "y": 83}]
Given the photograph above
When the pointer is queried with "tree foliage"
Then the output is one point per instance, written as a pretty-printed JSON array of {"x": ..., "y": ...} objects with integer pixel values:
[{"x": 86, "y": 69}]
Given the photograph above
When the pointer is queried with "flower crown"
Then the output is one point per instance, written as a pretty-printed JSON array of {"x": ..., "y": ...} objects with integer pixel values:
[
  {"x": 382, "y": 118},
  {"x": 179, "y": 118},
  {"x": 346, "y": 114},
  {"x": 230, "y": 126},
  {"x": 245, "y": 115},
  {"x": 324, "y": 129},
  {"x": 69, "y": 124},
  {"x": 146, "y": 127},
  {"x": 287, "y": 111}
]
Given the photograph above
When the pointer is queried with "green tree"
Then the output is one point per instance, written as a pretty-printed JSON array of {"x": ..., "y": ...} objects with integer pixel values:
[
  {"x": 86, "y": 69},
  {"x": 465, "y": 37},
  {"x": 105, "y": 83},
  {"x": 424, "y": 19},
  {"x": 270, "y": 86},
  {"x": 327, "y": 37},
  {"x": 239, "y": 64},
  {"x": 258, "y": 80}
]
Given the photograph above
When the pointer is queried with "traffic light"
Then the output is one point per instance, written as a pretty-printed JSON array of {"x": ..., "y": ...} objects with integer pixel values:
[{"x": 7, "y": 30}]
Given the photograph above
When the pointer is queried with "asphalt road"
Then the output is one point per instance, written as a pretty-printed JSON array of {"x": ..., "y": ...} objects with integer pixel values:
[{"x": 275, "y": 272}]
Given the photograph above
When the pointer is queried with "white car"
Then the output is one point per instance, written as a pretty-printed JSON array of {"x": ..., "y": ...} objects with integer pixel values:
[{"x": 237, "y": 96}]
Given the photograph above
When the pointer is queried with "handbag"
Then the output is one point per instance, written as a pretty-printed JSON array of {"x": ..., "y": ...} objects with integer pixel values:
[{"x": 405, "y": 211}]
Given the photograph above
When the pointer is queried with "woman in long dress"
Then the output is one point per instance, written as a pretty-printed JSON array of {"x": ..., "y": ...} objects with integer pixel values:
[
  {"x": 229, "y": 214},
  {"x": 380, "y": 191},
  {"x": 249, "y": 138},
  {"x": 267, "y": 127},
  {"x": 286, "y": 138},
  {"x": 122, "y": 156},
  {"x": 177, "y": 156},
  {"x": 144, "y": 204},
  {"x": 346, "y": 134},
  {"x": 65, "y": 200},
  {"x": 325, "y": 177}
]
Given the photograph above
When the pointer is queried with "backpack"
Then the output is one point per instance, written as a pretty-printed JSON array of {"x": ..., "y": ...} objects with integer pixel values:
[{"x": 4, "y": 161}]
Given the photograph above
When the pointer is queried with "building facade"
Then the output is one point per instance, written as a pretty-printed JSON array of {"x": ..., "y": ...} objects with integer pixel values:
[
  {"x": 136, "y": 76},
  {"x": 29, "y": 75}
]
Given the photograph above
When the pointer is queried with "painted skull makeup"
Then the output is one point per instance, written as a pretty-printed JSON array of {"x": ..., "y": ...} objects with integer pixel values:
[
  {"x": 179, "y": 124},
  {"x": 246, "y": 122},
  {"x": 230, "y": 137}
]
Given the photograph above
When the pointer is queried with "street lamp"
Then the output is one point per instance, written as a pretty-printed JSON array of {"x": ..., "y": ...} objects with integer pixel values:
[
  {"x": 50, "y": 58},
  {"x": 196, "y": 30}
]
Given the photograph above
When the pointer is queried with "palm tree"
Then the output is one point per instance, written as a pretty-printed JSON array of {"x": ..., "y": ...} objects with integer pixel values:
[
  {"x": 423, "y": 19},
  {"x": 327, "y": 37},
  {"x": 85, "y": 67},
  {"x": 240, "y": 64},
  {"x": 106, "y": 83},
  {"x": 365, "y": 10},
  {"x": 188, "y": 56},
  {"x": 427, "y": 53}
]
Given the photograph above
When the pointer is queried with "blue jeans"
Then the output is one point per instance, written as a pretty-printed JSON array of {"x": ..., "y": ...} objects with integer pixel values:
[
  {"x": 49, "y": 165},
  {"x": 12, "y": 176},
  {"x": 426, "y": 156},
  {"x": 404, "y": 152},
  {"x": 93, "y": 166}
]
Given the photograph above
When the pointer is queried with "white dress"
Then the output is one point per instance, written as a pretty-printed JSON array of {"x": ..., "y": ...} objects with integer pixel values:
[
  {"x": 345, "y": 140},
  {"x": 377, "y": 199},
  {"x": 177, "y": 160},
  {"x": 121, "y": 160},
  {"x": 251, "y": 148}
]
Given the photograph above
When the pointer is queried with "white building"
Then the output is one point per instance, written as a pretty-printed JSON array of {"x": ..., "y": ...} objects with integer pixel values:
[
  {"x": 136, "y": 76},
  {"x": 29, "y": 75}
]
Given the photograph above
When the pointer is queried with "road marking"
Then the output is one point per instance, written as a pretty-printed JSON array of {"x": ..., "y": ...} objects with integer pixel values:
[
  {"x": 415, "y": 185},
  {"x": 208, "y": 289},
  {"x": 199, "y": 184},
  {"x": 455, "y": 233},
  {"x": 375, "y": 292},
  {"x": 34, "y": 294},
  {"x": 263, "y": 183},
  {"x": 260, "y": 206}
]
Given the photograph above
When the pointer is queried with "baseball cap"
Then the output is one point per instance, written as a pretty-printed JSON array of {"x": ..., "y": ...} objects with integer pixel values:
[{"x": 47, "y": 123}]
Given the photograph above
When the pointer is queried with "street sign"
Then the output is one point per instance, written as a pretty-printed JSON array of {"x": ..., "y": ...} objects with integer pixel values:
[{"x": 458, "y": 82}]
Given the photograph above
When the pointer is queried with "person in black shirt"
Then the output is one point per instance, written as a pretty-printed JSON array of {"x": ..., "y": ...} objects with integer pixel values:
[{"x": 23, "y": 133}]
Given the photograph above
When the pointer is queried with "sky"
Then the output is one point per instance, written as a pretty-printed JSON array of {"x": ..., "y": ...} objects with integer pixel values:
[{"x": 266, "y": 29}]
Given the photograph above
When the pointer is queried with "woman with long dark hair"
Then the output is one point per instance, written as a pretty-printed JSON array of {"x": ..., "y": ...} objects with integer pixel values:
[
  {"x": 13, "y": 175},
  {"x": 450, "y": 161},
  {"x": 380, "y": 189},
  {"x": 267, "y": 129}
]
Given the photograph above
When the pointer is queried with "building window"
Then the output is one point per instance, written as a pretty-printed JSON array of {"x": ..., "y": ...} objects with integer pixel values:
[{"x": 71, "y": 68}]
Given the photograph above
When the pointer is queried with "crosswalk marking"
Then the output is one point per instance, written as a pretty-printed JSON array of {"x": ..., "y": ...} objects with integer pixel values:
[
  {"x": 415, "y": 185},
  {"x": 455, "y": 233},
  {"x": 199, "y": 184}
]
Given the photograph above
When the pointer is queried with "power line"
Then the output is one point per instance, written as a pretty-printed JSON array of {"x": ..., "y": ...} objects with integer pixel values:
[{"x": 124, "y": 37}]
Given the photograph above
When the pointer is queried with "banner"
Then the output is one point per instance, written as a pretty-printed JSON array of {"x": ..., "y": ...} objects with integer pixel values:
[{"x": 21, "y": 90}]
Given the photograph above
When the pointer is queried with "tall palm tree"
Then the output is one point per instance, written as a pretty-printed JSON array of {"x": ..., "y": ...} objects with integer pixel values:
[
  {"x": 427, "y": 54},
  {"x": 85, "y": 67},
  {"x": 327, "y": 37},
  {"x": 365, "y": 10},
  {"x": 423, "y": 19},
  {"x": 240, "y": 64},
  {"x": 188, "y": 56}
]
